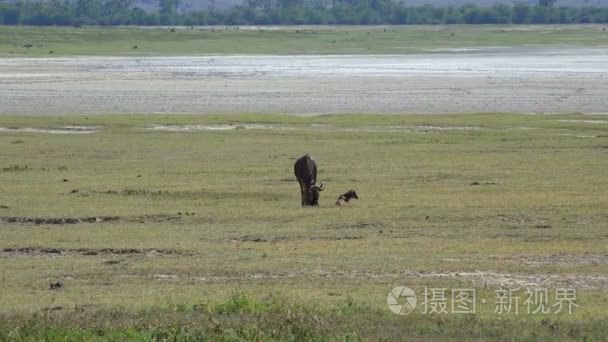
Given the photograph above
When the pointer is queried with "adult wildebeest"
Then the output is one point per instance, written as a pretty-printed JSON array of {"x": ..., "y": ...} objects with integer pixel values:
[
  {"x": 346, "y": 197},
  {"x": 305, "y": 170}
]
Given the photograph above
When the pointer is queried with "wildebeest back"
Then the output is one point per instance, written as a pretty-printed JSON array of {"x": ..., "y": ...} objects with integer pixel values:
[{"x": 305, "y": 170}]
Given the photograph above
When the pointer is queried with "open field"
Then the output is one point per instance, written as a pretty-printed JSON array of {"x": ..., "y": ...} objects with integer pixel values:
[
  {"x": 182, "y": 227},
  {"x": 304, "y": 70},
  {"x": 551, "y": 79},
  {"x": 286, "y": 40},
  {"x": 161, "y": 226}
]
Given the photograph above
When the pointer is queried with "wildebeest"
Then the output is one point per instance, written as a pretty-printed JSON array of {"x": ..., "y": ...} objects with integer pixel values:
[
  {"x": 346, "y": 197},
  {"x": 305, "y": 170}
]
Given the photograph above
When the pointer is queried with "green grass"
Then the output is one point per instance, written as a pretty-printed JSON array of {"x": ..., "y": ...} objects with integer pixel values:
[
  {"x": 211, "y": 241},
  {"x": 119, "y": 41},
  {"x": 275, "y": 318}
]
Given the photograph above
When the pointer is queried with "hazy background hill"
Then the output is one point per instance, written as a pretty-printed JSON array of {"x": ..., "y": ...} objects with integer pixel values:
[
  {"x": 190, "y": 5},
  {"x": 299, "y": 12},
  {"x": 221, "y": 4}
]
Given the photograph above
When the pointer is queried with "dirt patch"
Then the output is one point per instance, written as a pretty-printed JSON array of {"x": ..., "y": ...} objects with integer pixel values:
[
  {"x": 560, "y": 259},
  {"x": 582, "y": 136},
  {"x": 475, "y": 278},
  {"x": 153, "y": 218},
  {"x": 52, "y": 308},
  {"x": 357, "y": 225},
  {"x": 483, "y": 183},
  {"x": 398, "y": 129},
  {"x": 496, "y": 82},
  {"x": 25, "y": 167},
  {"x": 59, "y": 220},
  {"x": 523, "y": 221},
  {"x": 88, "y": 219},
  {"x": 41, "y": 251},
  {"x": 248, "y": 238},
  {"x": 586, "y": 121},
  {"x": 218, "y": 127},
  {"x": 513, "y": 280},
  {"x": 602, "y": 148},
  {"x": 53, "y": 130},
  {"x": 139, "y": 192}
]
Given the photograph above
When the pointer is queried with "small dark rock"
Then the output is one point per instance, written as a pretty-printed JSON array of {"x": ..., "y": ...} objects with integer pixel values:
[
  {"x": 475, "y": 183},
  {"x": 65, "y": 180},
  {"x": 55, "y": 286}
]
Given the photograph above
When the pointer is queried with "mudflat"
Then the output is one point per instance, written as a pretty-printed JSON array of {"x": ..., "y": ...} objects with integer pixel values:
[{"x": 554, "y": 79}]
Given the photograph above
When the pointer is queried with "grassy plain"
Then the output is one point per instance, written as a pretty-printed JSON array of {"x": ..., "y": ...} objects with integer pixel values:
[
  {"x": 203, "y": 235},
  {"x": 120, "y": 41}
]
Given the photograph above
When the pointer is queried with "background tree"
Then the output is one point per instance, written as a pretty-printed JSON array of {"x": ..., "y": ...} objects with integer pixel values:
[
  {"x": 546, "y": 3},
  {"x": 168, "y": 6}
]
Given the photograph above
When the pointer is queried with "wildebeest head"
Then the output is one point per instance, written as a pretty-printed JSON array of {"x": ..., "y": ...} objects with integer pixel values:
[{"x": 313, "y": 193}]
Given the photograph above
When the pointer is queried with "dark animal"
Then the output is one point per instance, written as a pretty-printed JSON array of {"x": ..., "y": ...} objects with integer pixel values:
[
  {"x": 305, "y": 170},
  {"x": 346, "y": 197},
  {"x": 55, "y": 286}
]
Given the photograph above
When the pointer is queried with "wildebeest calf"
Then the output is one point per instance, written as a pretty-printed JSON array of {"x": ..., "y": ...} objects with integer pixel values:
[{"x": 346, "y": 197}]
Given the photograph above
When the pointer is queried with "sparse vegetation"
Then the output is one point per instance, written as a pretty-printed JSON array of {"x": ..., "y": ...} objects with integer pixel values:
[
  {"x": 15, "y": 168},
  {"x": 243, "y": 316},
  {"x": 121, "y": 41},
  {"x": 519, "y": 198}
]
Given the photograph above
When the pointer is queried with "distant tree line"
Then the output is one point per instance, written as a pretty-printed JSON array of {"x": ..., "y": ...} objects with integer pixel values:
[{"x": 290, "y": 12}]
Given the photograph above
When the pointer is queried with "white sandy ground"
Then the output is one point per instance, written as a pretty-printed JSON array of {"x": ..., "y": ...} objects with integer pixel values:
[
  {"x": 475, "y": 278},
  {"x": 529, "y": 80}
]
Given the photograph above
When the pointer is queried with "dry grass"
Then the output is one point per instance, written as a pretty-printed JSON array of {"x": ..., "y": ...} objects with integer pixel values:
[
  {"x": 119, "y": 41},
  {"x": 199, "y": 216}
]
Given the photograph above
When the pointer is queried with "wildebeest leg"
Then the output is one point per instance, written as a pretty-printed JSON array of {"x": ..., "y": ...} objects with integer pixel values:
[{"x": 302, "y": 193}]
